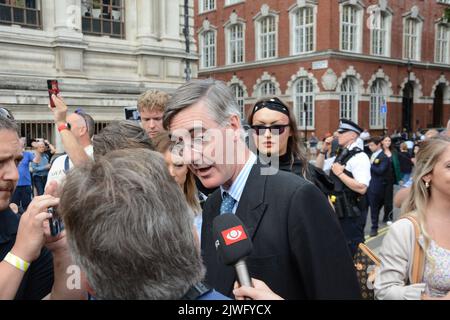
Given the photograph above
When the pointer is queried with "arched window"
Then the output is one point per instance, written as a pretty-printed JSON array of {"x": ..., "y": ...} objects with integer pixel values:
[
  {"x": 411, "y": 39},
  {"x": 349, "y": 99},
  {"x": 208, "y": 49},
  {"x": 442, "y": 41},
  {"x": 207, "y": 5},
  {"x": 267, "y": 88},
  {"x": 380, "y": 32},
  {"x": 351, "y": 28},
  {"x": 236, "y": 43},
  {"x": 377, "y": 100},
  {"x": 238, "y": 92},
  {"x": 303, "y": 27},
  {"x": 304, "y": 99},
  {"x": 267, "y": 37}
]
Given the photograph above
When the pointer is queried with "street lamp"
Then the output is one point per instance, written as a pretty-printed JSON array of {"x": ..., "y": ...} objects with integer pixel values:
[
  {"x": 187, "y": 70},
  {"x": 305, "y": 108},
  {"x": 409, "y": 97},
  {"x": 409, "y": 69}
]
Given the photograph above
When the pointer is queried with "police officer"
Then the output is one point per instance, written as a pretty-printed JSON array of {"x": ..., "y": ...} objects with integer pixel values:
[{"x": 350, "y": 171}]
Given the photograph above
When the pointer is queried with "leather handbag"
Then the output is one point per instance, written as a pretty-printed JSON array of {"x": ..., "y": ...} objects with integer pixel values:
[{"x": 366, "y": 263}]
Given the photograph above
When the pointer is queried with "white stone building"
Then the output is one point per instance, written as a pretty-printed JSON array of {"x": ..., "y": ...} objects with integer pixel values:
[{"x": 104, "y": 53}]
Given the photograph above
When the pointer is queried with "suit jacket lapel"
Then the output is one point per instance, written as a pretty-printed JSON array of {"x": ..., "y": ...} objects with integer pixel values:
[{"x": 251, "y": 207}]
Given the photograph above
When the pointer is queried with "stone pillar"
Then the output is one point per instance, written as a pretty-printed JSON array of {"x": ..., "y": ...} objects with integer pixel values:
[
  {"x": 131, "y": 20},
  {"x": 69, "y": 45},
  {"x": 172, "y": 22},
  {"x": 144, "y": 18}
]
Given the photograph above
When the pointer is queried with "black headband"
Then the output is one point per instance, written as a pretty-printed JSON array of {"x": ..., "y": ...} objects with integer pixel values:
[{"x": 273, "y": 104}]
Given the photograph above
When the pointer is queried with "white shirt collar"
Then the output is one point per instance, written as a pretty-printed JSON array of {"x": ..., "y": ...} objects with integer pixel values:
[{"x": 238, "y": 185}]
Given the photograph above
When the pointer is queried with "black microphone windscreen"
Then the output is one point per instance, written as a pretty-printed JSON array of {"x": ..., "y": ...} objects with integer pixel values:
[{"x": 231, "y": 239}]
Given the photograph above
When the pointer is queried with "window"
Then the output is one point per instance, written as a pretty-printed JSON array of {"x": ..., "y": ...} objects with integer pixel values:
[
  {"x": 208, "y": 49},
  {"x": 103, "y": 18},
  {"x": 267, "y": 88},
  {"x": 229, "y": 2},
  {"x": 304, "y": 96},
  {"x": 350, "y": 25},
  {"x": 25, "y": 13},
  {"x": 380, "y": 34},
  {"x": 442, "y": 40},
  {"x": 411, "y": 47},
  {"x": 100, "y": 125},
  {"x": 37, "y": 129},
  {"x": 236, "y": 43},
  {"x": 303, "y": 28},
  {"x": 377, "y": 99},
  {"x": 207, "y": 5},
  {"x": 238, "y": 92},
  {"x": 348, "y": 100},
  {"x": 267, "y": 37}
]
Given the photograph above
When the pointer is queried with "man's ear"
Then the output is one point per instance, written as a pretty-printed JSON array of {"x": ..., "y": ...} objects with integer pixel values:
[
  {"x": 235, "y": 124},
  {"x": 83, "y": 131}
]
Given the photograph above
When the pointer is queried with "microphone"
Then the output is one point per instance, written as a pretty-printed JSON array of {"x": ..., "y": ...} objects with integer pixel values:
[{"x": 233, "y": 245}]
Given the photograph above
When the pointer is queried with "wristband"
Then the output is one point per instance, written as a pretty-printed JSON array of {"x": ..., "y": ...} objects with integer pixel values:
[
  {"x": 324, "y": 153},
  {"x": 64, "y": 126},
  {"x": 17, "y": 262}
]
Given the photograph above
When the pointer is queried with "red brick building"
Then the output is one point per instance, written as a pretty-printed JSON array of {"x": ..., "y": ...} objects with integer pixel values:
[{"x": 334, "y": 58}]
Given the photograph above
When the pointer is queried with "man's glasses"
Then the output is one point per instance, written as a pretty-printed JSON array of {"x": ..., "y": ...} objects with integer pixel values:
[{"x": 276, "y": 129}]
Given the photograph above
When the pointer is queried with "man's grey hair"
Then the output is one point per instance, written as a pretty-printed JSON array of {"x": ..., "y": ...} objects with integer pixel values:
[
  {"x": 121, "y": 135},
  {"x": 130, "y": 228},
  {"x": 218, "y": 97},
  {"x": 7, "y": 124}
]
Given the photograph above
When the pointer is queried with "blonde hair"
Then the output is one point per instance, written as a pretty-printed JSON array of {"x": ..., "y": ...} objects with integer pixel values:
[
  {"x": 163, "y": 143},
  {"x": 153, "y": 100},
  {"x": 417, "y": 201}
]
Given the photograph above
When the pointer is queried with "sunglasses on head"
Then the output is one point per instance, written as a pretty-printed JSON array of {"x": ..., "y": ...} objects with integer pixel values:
[
  {"x": 275, "y": 129},
  {"x": 5, "y": 113}
]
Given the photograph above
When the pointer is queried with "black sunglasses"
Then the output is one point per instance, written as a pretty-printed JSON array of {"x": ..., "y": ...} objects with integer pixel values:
[{"x": 275, "y": 129}]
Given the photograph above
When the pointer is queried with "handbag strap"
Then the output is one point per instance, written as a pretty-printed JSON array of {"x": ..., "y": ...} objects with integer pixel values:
[{"x": 418, "y": 257}]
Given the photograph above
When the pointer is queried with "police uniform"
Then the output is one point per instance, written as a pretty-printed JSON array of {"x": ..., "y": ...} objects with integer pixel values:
[{"x": 350, "y": 206}]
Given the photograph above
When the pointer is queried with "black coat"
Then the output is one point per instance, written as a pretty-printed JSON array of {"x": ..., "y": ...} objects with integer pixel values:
[
  {"x": 299, "y": 249},
  {"x": 315, "y": 175},
  {"x": 380, "y": 174}
]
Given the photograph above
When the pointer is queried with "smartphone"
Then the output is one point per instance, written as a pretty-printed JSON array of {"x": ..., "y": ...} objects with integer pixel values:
[
  {"x": 55, "y": 222},
  {"x": 53, "y": 88}
]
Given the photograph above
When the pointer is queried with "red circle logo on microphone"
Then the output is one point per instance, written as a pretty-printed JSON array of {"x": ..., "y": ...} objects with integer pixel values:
[{"x": 234, "y": 235}]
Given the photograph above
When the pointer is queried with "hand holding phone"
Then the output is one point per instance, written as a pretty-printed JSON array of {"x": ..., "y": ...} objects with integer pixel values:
[
  {"x": 53, "y": 89},
  {"x": 55, "y": 222}
]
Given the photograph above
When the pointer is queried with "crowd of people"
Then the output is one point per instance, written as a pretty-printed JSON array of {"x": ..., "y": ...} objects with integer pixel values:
[{"x": 138, "y": 202}]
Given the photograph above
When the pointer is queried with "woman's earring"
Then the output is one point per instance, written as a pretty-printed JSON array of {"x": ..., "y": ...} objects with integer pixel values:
[{"x": 427, "y": 184}]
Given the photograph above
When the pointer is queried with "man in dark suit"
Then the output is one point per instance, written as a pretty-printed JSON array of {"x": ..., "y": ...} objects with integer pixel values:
[
  {"x": 378, "y": 170},
  {"x": 299, "y": 250}
]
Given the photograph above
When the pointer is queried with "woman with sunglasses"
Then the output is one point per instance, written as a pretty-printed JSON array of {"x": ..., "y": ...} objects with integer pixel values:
[{"x": 275, "y": 133}]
